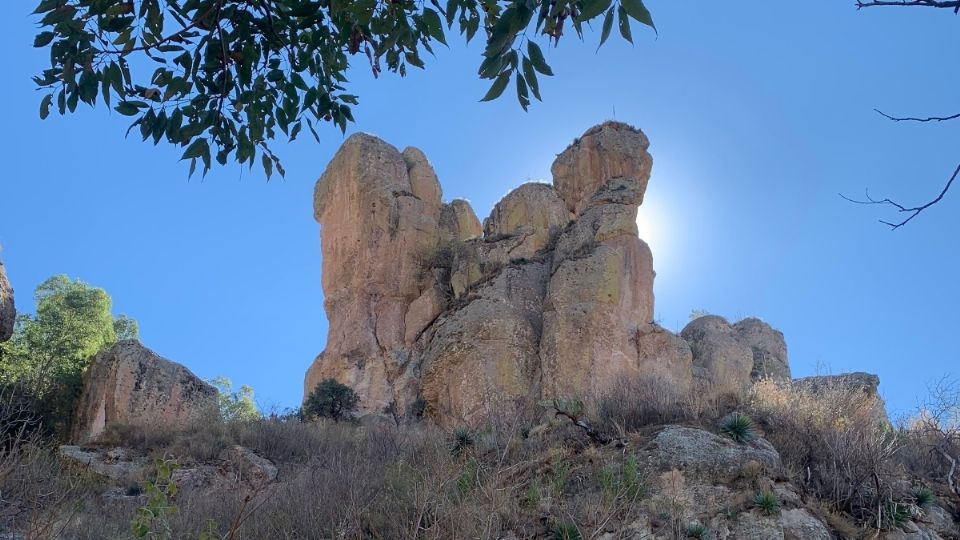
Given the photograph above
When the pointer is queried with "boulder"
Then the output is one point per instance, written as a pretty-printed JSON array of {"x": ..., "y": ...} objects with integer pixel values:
[
  {"x": 755, "y": 526},
  {"x": 800, "y": 524},
  {"x": 705, "y": 455},
  {"x": 612, "y": 152},
  {"x": 768, "y": 347},
  {"x": 458, "y": 221},
  {"x": 244, "y": 466},
  {"x": 128, "y": 384},
  {"x": 8, "y": 311},
  {"x": 114, "y": 464},
  {"x": 736, "y": 355},
  {"x": 533, "y": 211}
]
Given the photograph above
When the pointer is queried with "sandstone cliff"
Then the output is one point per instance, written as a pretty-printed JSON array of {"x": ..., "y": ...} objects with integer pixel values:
[
  {"x": 551, "y": 297},
  {"x": 128, "y": 384},
  {"x": 8, "y": 312}
]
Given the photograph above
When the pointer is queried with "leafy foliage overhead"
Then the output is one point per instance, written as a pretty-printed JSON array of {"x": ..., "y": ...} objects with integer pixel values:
[{"x": 223, "y": 78}]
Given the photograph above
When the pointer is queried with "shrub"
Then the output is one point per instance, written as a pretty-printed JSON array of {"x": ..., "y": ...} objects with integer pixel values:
[
  {"x": 833, "y": 443},
  {"x": 330, "y": 399},
  {"x": 767, "y": 502},
  {"x": 738, "y": 427}
]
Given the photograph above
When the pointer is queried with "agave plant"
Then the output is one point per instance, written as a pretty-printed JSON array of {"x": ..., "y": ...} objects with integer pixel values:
[{"x": 738, "y": 427}]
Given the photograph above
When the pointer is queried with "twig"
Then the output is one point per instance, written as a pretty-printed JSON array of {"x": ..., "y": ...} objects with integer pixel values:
[
  {"x": 918, "y": 119},
  {"x": 913, "y": 211}
]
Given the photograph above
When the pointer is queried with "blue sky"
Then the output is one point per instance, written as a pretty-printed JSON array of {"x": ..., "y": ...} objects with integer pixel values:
[{"x": 759, "y": 113}]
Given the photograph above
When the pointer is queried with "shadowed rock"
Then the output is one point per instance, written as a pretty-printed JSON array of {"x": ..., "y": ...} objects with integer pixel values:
[
  {"x": 8, "y": 311},
  {"x": 128, "y": 384}
]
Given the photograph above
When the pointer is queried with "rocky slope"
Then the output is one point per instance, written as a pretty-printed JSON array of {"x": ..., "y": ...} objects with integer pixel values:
[{"x": 551, "y": 297}]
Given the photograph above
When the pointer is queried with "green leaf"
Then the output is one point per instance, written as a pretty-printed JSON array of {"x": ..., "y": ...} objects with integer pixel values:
[
  {"x": 45, "y": 106},
  {"x": 624, "y": 24},
  {"x": 592, "y": 8},
  {"x": 607, "y": 26},
  {"x": 499, "y": 85},
  {"x": 638, "y": 11},
  {"x": 43, "y": 39},
  {"x": 267, "y": 165},
  {"x": 126, "y": 108},
  {"x": 197, "y": 149},
  {"x": 522, "y": 96},
  {"x": 531, "y": 76},
  {"x": 434, "y": 25},
  {"x": 536, "y": 56}
]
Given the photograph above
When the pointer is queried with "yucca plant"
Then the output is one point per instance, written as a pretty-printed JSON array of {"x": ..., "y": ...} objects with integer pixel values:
[
  {"x": 922, "y": 497},
  {"x": 696, "y": 530},
  {"x": 738, "y": 427},
  {"x": 461, "y": 440},
  {"x": 767, "y": 502},
  {"x": 566, "y": 531}
]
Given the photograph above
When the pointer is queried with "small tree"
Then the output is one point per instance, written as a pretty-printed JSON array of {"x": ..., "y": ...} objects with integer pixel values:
[
  {"x": 330, "y": 399},
  {"x": 236, "y": 405}
]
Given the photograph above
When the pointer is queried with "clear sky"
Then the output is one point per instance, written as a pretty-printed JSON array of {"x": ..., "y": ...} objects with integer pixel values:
[{"x": 758, "y": 113}]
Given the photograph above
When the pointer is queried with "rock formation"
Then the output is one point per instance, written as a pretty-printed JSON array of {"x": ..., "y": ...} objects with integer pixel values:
[
  {"x": 131, "y": 385},
  {"x": 737, "y": 354},
  {"x": 8, "y": 312},
  {"x": 432, "y": 313},
  {"x": 552, "y": 297}
]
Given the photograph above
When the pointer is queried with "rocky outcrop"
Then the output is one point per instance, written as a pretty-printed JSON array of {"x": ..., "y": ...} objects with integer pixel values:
[
  {"x": 430, "y": 313},
  {"x": 131, "y": 385},
  {"x": 737, "y": 354},
  {"x": 8, "y": 312},
  {"x": 711, "y": 456}
]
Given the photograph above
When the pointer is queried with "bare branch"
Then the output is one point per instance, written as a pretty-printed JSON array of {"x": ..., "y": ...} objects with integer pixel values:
[
  {"x": 918, "y": 119},
  {"x": 947, "y": 4},
  {"x": 913, "y": 211}
]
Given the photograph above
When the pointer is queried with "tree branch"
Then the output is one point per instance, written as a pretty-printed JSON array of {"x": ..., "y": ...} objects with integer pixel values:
[
  {"x": 913, "y": 211},
  {"x": 946, "y": 4},
  {"x": 918, "y": 119}
]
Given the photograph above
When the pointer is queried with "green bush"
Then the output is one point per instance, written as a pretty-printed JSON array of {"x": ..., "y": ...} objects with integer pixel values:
[
  {"x": 738, "y": 427},
  {"x": 767, "y": 502},
  {"x": 330, "y": 399}
]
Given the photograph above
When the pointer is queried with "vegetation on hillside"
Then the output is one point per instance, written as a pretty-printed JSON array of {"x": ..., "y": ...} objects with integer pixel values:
[
  {"x": 44, "y": 361},
  {"x": 525, "y": 471}
]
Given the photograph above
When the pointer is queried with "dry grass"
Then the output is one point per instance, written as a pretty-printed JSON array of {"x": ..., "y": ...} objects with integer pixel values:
[{"x": 834, "y": 444}]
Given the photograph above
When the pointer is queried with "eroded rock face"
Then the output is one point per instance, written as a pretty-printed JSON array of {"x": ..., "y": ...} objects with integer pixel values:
[
  {"x": 8, "y": 311},
  {"x": 737, "y": 354},
  {"x": 430, "y": 313},
  {"x": 128, "y": 384}
]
